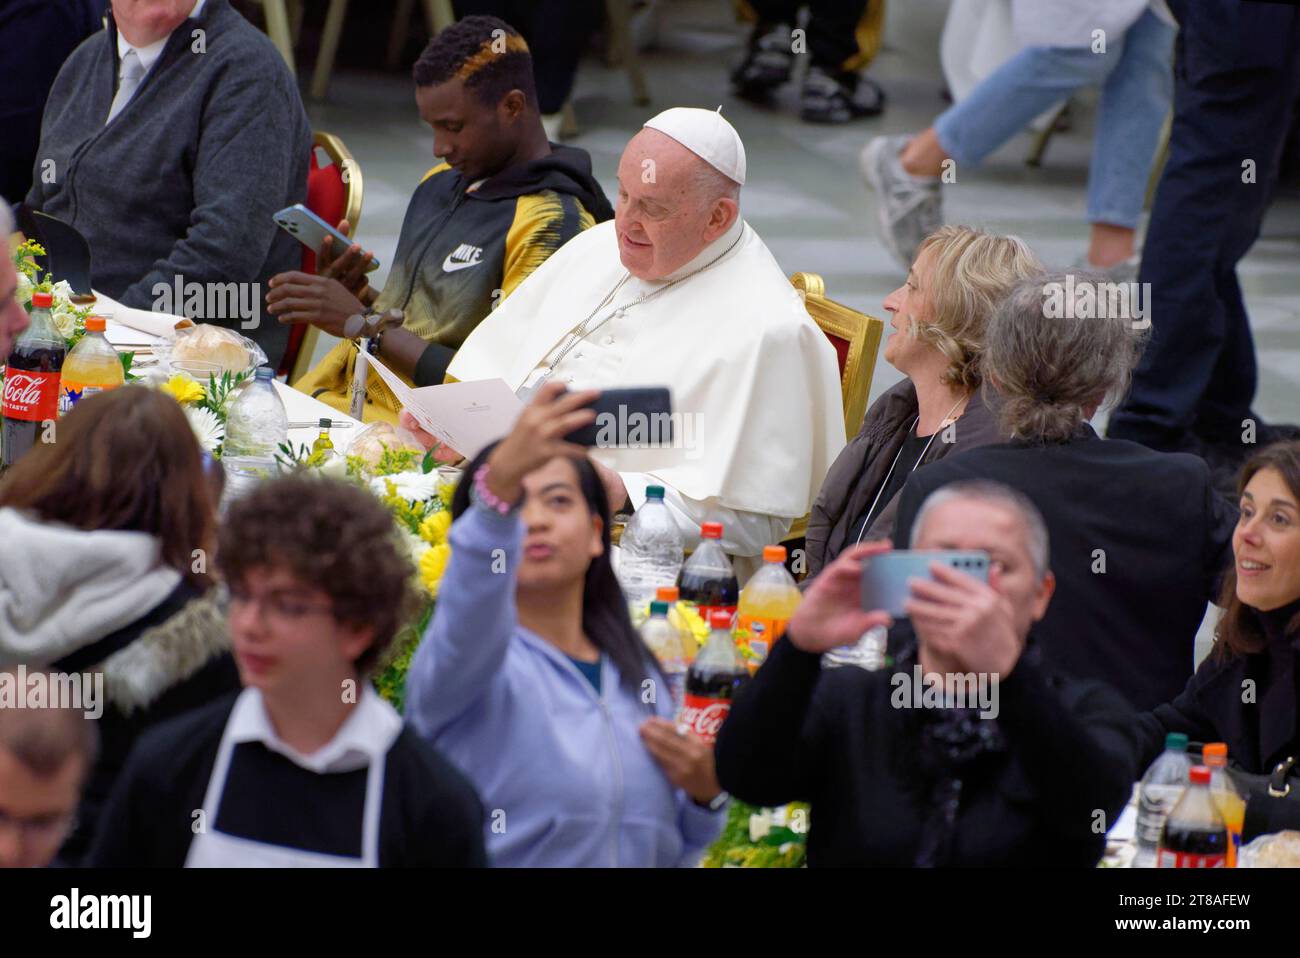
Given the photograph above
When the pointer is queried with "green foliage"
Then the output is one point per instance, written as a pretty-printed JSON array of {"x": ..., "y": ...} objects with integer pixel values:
[
  {"x": 291, "y": 460},
  {"x": 780, "y": 848},
  {"x": 390, "y": 677},
  {"x": 216, "y": 396}
]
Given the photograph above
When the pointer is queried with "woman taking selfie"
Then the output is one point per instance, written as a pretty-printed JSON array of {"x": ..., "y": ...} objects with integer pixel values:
[{"x": 532, "y": 680}]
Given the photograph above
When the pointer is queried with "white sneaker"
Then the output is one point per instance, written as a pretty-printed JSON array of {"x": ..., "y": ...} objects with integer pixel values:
[{"x": 910, "y": 207}]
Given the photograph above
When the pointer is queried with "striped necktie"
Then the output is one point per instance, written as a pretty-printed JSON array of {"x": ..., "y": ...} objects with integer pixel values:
[{"x": 132, "y": 73}]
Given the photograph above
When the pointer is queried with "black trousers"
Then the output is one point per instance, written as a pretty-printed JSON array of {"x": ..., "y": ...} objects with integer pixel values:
[
  {"x": 1236, "y": 89},
  {"x": 831, "y": 25},
  {"x": 556, "y": 31}
]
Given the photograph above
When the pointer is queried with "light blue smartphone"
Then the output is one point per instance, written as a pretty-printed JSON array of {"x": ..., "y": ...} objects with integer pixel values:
[
  {"x": 310, "y": 230},
  {"x": 884, "y": 577}
]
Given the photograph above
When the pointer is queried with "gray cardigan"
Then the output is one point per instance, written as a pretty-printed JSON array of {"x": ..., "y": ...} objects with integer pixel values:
[{"x": 183, "y": 182}]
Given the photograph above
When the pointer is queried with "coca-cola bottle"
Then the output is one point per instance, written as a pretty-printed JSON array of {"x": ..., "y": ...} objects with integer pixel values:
[
  {"x": 707, "y": 578},
  {"x": 712, "y": 681},
  {"x": 1194, "y": 835},
  {"x": 31, "y": 390}
]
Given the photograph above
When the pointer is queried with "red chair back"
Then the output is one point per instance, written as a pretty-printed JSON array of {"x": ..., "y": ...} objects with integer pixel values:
[{"x": 327, "y": 197}]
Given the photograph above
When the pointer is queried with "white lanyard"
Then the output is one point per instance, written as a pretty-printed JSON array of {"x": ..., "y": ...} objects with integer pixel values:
[{"x": 898, "y": 455}]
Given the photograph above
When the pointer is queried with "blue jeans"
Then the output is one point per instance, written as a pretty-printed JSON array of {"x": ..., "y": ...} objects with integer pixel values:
[{"x": 1136, "y": 79}]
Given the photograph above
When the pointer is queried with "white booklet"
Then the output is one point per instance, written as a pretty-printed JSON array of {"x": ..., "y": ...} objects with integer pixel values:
[{"x": 464, "y": 416}]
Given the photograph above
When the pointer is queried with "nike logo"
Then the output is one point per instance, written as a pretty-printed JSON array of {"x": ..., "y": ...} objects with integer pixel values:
[{"x": 462, "y": 257}]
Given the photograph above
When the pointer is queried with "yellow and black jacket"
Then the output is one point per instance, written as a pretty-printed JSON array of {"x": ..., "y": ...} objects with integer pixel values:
[{"x": 461, "y": 251}]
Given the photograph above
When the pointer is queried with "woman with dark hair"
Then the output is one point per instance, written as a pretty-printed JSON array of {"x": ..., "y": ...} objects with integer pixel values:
[
  {"x": 1246, "y": 691},
  {"x": 532, "y": 680},
  {"x": 107, "y": 533}
]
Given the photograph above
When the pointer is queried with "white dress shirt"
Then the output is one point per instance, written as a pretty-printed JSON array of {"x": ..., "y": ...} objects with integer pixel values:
[{"x": 149, "y": 55}]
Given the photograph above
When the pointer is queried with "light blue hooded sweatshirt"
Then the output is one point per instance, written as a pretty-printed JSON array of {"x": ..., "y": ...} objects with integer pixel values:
[{"x": 563, "y": 774}]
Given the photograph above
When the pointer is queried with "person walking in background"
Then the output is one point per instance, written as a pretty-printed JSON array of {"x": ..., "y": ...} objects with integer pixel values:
[
  {"x": 832, "y": 91},
  {"x": 1123, "y": 46},
  {"x": 1237, "y": 86}
]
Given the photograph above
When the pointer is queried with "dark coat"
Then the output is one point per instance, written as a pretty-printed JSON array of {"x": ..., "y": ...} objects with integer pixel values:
[
  {"x": 1150, "y": 520},
  {"x": 834, "y": 739},
  {"x": 859, "y": 470}
]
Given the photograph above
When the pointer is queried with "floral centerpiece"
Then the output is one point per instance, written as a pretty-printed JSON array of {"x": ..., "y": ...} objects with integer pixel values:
[{"x": 205, "y": 405}]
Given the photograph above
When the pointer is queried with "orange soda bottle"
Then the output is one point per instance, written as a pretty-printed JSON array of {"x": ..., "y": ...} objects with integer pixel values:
[
  {"x": 770, "y": 598},
  {"x": 1226, "y": 797},
  {"x": 93, "y": 366}
]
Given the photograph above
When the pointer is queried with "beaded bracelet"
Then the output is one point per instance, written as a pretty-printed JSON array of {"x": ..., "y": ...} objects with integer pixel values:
[{"x": 486, "y": 498}]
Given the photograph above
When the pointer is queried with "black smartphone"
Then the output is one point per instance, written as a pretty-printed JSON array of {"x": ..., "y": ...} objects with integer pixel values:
[{"x": 629, "y": 418}]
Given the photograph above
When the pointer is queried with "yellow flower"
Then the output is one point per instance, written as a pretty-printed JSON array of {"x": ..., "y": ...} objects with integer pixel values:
[
  {"x": 432, "y": 565},
  {"x": 685, "y": 615},
  {"x": 445, "y": 492},
  {"x": 433, "y": 529},
  {"x": 183, "y": 389}
]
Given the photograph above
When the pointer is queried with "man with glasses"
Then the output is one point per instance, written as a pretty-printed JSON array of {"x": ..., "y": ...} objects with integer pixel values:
[
  {"x": 307, "y": 766},
  {"x": 45, "y": 754}
]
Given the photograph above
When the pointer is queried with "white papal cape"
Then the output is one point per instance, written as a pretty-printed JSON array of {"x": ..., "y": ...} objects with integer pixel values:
[{"x": 755, "y": 379}]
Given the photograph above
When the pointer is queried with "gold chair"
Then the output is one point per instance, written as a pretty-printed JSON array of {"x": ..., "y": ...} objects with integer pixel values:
[
  {"x": 856, "y": 338},
  {"x": 349, "y": 172}
]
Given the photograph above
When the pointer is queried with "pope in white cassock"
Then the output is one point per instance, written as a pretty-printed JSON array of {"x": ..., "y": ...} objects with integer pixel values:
[{"x": 679, "y": 291}]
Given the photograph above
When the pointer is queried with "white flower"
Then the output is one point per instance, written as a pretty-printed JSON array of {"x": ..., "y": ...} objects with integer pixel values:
[
  {"x": 415, "y": 547},
  {"x": 64, "y": 322},
  {"x": 24, "y": 293},
  {"x": 208, "y": 429},
  {"x": 62, "y": 292},
  {"x": 335, "y": 467},
  {"x": 411, "y": 486}
]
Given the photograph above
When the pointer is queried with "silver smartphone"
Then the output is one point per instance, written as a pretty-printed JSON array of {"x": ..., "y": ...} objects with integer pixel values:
[
  {"x": 884, "y": 576},
  {"x": 310, "y": 230}
]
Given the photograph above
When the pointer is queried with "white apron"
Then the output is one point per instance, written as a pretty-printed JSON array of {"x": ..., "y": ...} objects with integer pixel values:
[{"x": 215, "y": 849}]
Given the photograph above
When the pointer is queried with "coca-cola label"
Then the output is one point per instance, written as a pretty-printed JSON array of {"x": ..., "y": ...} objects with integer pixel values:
[
  {"x": 31, "y": 395},
  {"x": 703, "y": 717},
  {"x": 1167, "y": 858}
]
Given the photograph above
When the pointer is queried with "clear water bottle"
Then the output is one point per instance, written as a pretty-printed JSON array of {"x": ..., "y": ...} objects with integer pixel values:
[
  {"x": 255, "y": 427},
  {"x": 650, "y": 551},
  {"x": 1161, "y": 787},
  {"x": 663, "y": 639}
]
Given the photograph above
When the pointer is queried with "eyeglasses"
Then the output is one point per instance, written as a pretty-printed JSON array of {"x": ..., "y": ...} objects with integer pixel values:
[
  {"x": 43, "y": 828},
  {"x": 283, "y": 607}
]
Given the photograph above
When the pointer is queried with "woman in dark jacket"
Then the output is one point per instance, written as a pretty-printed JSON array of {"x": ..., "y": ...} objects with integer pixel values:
[
  {"x": 1140, "y": 538},
  {"x": 107, "y": 534},
  {"x": 1246, "y": 691},
  {"x": 1029, "y": 773},
  {"x": 939, "y": 315}
]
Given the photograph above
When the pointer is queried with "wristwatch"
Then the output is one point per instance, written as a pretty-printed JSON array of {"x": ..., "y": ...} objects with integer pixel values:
[{"x": 371, "y": 326}]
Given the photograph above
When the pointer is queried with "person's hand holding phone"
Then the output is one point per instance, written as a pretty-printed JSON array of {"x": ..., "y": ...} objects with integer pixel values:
[
  {"x": 831, "y": 613},
  {"x": 349, "y": 266},
  {"x": 538, "y": 437},
  {"x": 297, "y": 297},
  {"x": 963, "y": 624}
]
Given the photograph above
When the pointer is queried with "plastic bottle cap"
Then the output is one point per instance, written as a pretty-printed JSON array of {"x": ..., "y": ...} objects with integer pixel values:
[
  {"x": 658, "y": 608},
  {"x": 42, "y": 300},
  {"x": 1199, "y": 775},
  {"x": 667, "y": 593},
  {"x": 774, "y": 554},
  {"x": 324, "y": 423},
  {"x": 711, "y": 530},
  {"x": 264, "y": 374},
  {"x": 1176, "y": 741},
  {"x": 720, "y": 620},
  {"x": 95, "y": 324},
  {"x": 1215, "y": 753},
  {"x": 654, "y": 492}
]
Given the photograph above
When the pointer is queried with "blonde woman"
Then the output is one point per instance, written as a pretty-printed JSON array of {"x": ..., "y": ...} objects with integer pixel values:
[{"x": 939, "y": 314}]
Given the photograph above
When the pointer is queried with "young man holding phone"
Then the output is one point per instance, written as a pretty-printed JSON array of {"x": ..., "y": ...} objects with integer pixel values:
[
  {"x": 906, "y": 776},
  {"x": 502, "y": 201}
]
